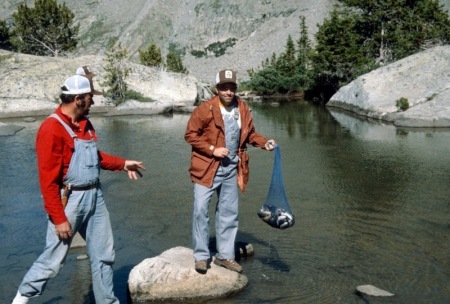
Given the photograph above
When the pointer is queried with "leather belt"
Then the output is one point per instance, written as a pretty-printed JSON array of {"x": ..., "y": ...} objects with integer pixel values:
[{"x": 82, "y": 188}]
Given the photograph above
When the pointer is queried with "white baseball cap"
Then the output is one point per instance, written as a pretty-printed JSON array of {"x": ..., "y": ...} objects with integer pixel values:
[
  {"x": 86, "y": 71},
  {"x": 76, "y": 85}
]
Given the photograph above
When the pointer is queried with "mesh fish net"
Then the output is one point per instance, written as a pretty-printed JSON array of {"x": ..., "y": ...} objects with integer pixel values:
[{"x": 276, "y": 210}]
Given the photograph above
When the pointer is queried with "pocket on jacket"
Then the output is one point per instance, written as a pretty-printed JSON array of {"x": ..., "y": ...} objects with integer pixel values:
[{"x": 200, "y": 165}]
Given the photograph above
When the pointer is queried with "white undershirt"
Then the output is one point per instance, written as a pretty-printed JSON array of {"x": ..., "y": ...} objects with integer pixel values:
[{"x": 230, "y": 114}]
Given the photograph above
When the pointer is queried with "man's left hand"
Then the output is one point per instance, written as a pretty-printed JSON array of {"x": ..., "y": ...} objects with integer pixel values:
[{"x": 132, "y": 167}]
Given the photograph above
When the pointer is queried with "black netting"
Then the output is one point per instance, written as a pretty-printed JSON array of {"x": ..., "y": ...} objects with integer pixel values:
[{"x": 276, "y": 211}]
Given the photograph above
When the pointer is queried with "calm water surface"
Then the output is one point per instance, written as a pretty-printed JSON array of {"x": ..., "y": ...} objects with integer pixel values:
[{"x": 371, "y": 201}]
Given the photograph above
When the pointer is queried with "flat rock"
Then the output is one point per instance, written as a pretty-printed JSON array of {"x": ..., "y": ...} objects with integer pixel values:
[
  {"x": 171, "y": 277},
  {"x": 8, "y": 130},
  {"x": 371, "y": 290}
]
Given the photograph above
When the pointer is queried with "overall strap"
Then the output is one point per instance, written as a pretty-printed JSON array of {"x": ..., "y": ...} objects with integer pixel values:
[{"x": 66, "y": 126}]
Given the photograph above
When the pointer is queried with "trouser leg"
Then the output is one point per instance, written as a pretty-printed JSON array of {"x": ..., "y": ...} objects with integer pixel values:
[
  {"x": 52, "y": 259},
  {"x": 46, "y": 266},
  {"x": 200, "y": 221},
  {"x": 100, "y": 249},
  {"x": 226, "y": 216}
]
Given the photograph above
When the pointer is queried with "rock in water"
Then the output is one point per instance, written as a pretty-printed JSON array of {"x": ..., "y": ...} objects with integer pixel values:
[
  {"x": 373, "y": 291},
  {"x": 171, "y": 277}
]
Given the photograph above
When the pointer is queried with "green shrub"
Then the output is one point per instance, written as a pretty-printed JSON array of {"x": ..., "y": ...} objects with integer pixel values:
[
  {"x": 131, "y": 94},
  {"x": 116, "y": 73},
  {"x": 402, "y": 104},
  {"x": 152, "y": 56}
]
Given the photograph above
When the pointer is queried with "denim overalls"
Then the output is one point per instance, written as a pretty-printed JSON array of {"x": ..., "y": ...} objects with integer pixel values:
[
  {"x": 225, "y": 184},
  {"x": 86, "y": 211}
]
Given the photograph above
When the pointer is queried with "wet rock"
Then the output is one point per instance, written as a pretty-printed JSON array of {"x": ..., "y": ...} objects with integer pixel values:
[
  {"x": 82, "y": 257},
  {"x": 78, "y": 241},
  {"x": 371, "y": 290},
  {"x": 8, "y": 130},
  {"x": 171, "y": 277}
]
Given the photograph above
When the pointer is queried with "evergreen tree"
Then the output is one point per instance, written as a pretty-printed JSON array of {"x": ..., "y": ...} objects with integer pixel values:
[
  {"x": 273, "y": 59},
  {"x": 286, "y": 61},
  {"x": 265, "y": 81},
  {"x": 366, "y": 33},
  {"x": 174, "y": 63},
  {"x": 152, "y": 56},
  {"x": 4, "y": 36},
  {"x": 304, "y": 54},
  {"x": 303, "y": 47},
  {"x": 116, "y": 73},
  {"x": 339, "y": 56},
  {"x": 286, "y": 73},
  {"x": 396, "y": 29},
  {"x": 46, "y": 30}
]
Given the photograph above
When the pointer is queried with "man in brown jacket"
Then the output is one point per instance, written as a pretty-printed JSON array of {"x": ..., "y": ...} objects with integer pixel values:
[{"x": 219, "y": 131}]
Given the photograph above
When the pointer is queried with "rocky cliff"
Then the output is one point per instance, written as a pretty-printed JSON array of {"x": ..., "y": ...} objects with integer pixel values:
[{"x": 211, "y": 34}]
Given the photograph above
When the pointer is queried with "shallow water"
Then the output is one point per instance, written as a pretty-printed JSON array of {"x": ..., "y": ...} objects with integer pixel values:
[{"x": 371, "y": 204}]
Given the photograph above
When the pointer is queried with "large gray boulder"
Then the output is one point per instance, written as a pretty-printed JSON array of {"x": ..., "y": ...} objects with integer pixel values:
[
  {"x": 423, "y": 79},
  {"x": 171, "y": 277}
]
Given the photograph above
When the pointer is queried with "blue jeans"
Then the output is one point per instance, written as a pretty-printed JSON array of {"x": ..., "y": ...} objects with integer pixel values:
[
  {"x": 87, "y": 214},
  {"x": 226, "y": 215}
]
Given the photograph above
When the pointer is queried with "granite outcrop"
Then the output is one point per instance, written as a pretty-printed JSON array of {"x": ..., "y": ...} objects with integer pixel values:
[{"x": 422, "y": 80}]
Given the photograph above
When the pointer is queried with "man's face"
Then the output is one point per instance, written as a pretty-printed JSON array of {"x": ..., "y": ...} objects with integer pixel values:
[
  {"x": 84, "y": 104},
  {"x": 226, "y": 92}
]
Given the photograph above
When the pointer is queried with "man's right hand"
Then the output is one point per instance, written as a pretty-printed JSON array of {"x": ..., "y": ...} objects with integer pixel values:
[
  {"x": 64, "y": 231},
  {"x": 221, "y": 152}
]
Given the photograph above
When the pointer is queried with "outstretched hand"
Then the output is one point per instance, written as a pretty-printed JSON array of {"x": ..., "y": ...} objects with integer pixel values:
[{"x": 132, "y": 167}]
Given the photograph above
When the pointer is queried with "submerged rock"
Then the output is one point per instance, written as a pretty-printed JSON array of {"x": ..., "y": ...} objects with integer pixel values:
[{"x": 8, "y": 130}]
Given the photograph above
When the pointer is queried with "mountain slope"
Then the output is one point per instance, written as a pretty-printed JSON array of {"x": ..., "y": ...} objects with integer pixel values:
[{"x": 211, "y": 34}]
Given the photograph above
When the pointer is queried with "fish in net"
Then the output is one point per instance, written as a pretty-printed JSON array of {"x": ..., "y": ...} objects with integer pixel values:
[{"x": 276, "y": 211}]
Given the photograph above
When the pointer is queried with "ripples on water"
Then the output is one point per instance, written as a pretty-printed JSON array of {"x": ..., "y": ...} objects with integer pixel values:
[{"x": 371, "y": 205}]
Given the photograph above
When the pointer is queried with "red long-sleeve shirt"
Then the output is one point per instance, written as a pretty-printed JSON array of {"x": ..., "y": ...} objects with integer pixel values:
[{"x": 54, "y": 149}]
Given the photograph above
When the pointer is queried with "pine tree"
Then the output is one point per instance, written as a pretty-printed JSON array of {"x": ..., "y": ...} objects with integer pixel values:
[
  {"x": 4, "y": 36},
  {"x": 286, "y": 61},
  {"x": 304, "y": 55},
  {"x": 339, "y": 56},
  {"x": 46, "y": 30},
  {"x": 116, "y": 72},
  {"x": 174, "y": 63},
  {"x": 367, "y": 33},
  {"x": 396, "y": 29},
  {"x": 152, "y": 56}
]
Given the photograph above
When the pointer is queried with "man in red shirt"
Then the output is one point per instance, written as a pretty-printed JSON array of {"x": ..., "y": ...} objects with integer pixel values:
[{"x": 69, "y": 165}]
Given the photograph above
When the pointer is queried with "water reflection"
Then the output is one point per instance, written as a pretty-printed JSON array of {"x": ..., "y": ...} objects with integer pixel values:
[{"x": 371, "y": 206}]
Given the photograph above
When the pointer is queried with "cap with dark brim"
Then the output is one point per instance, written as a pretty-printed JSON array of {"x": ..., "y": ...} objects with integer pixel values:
[{"x": 226, "y": 76}]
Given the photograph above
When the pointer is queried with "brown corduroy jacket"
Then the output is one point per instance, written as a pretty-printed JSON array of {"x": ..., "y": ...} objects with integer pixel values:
[{"x": 205, "y": 131}]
